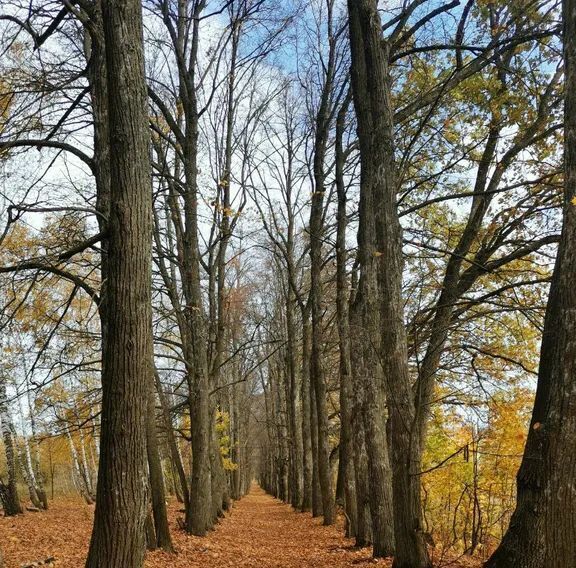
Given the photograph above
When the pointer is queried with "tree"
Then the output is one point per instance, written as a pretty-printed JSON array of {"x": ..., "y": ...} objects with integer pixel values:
[
  {"x": 541, "y": 531},
  {"x": 346, "y": 483},
  {"x": 9, "y": 490},
  {"x": 297, "y": 329},
  {"x": 118, "y": 534},
  {"x": 384, "y": 374},
  {"x": 329, "y": 97}
]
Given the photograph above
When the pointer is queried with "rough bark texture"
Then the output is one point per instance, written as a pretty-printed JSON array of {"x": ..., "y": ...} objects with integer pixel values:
[
  {"x": 365, "y": 320},
  {"x": 118, "y": 535},
  {"x": 543, "y": 527},
  {"x": 363, "y": 525},
  {"x": 379, "y": 295}
]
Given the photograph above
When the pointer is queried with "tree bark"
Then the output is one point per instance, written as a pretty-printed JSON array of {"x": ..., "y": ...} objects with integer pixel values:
[
  {"x": 316, "y": 230},
  {"x": 127, "y": 360},
  {"x": 542, "y": 529},
  {"x": 380, "y": 259}
]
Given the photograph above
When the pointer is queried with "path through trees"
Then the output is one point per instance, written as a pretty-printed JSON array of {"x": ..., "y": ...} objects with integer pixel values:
[
  {"x": 327, "y": 245},
  {"x": 260, "y": 531}
]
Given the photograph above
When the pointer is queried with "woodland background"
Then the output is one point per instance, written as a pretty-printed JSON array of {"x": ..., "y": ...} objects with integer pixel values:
[{"x": 261, "y": 307}]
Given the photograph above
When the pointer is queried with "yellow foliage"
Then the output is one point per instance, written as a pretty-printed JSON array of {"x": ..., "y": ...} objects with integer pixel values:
[{"x": 222, "y": 430}]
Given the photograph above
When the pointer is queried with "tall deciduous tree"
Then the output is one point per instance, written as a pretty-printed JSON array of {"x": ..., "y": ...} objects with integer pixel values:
[
  {"x": 541, "y": 532},
  {"x": 118, "y": 534},
  {"x": 380, "y": 311}
]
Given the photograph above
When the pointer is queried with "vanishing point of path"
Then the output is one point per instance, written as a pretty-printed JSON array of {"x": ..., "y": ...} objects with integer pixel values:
[
  {"x": 259, "y": 532},
  {"x": 263, "y": 532}
]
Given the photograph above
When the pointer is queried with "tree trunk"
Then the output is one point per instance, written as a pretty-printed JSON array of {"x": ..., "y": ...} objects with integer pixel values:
[
  {"x": 80, "y": 475},
  {"x": 380, "y": 258},
  {"x": 317, "y": 379},
  {"x": 199, "y": 516},
  {"x": 541, "y": 532},
  {"x": 307, "y": 465},
  {"x": 371, "y": 417},
  {"x": 150, "y": 532},
  {"x": 95, "y": 54},
  {"x": 8, "y": 491},
  {"x": 173, "y": 445},
  {"x": 30, "y": 467},
  {"x": 346, "y": 486},
  {"x": 313, "y": 426},
  {"x": 159, "y": 512},
  {"x": 295, "y": 437},
  {"x": 363, "y": 524},
  {"x": 358, "y": 440},
  {"x": 220, "y": 494},
  {"x": 118, "y": 539},
  {"x": 28, "y": 475},
  {"x": 316, "y": 231},
  {"x": 283, "y": 454}
]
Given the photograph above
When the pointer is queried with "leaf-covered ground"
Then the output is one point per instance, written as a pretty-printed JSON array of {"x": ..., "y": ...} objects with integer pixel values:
[{"x": 260, "y": 532}]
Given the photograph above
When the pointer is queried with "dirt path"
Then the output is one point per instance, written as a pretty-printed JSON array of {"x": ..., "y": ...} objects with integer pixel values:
[{"x": 260, "y": 532}]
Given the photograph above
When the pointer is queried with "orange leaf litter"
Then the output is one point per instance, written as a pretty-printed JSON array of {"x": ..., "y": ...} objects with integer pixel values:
[{"x": 259, "y": 532}]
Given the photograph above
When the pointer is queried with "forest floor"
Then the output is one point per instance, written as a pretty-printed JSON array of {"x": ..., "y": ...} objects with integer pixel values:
[{"x": 259, "y": 532}]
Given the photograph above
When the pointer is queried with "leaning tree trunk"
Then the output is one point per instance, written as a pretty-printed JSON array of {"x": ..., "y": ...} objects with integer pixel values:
[
  {"x": 159, "y": 512},
  {"x": 542, "y": 529},
  {"x": 78, "y": 472},
  {"x": 30, "y": 467},
  {"x": 118, "y": 539},
  {"x": 380, "y": 256},
  {"x": 28, "y": 474},
  {"x": 173, "y": 446}
]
